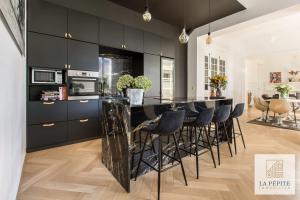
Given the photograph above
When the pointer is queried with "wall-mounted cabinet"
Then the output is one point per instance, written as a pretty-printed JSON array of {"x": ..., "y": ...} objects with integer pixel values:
[
  {"x": 111, "y": 34},
  {"x": 46, "y": 51},
  {"x": 133, "y": 39},
  {"x": 47, "y": 18},
  {"x": 152, "y": 71},
  {"x": 167, "y": 48},
  {"x": 82, "y": 26},
  {"x": 152, "y": 44},
  {"x": 83, "y": 56}
]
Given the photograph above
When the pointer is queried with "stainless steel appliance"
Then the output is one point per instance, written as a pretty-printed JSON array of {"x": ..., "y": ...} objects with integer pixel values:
[
  {"x": 82, "y": 85},
  {"x": 46, "y": 76},
  {"x": 167, "y": 78}
]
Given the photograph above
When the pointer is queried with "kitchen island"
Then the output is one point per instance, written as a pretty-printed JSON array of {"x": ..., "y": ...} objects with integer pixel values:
[{"x": 120, "y": 120}]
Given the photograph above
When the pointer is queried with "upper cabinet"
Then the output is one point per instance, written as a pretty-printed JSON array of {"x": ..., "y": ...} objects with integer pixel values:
[
  {"x": 47, "y": 18},
  {"x": 47, "y": 51},
  {"x": 133, "y": 39},
  {"x": 82, "y": 27},
  {"x": 152, "y": 44},
  {"x": 167, "y": 48},
  {"x": 83, "y": 56},
  {"x": 111, "y": 34}
]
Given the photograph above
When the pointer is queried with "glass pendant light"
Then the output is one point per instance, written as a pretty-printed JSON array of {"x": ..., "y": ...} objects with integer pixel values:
[
  {"x": 209, "y": 38},
  {"x": 183, "y": 37},
  {"x": 147, "y": 15}
]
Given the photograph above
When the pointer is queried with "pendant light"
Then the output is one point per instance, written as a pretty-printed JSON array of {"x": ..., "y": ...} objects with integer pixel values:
[
  {"x": 183, "y": 37},
  {"x": 209, "y": 39},
  {"x": 147, "y": 15}
]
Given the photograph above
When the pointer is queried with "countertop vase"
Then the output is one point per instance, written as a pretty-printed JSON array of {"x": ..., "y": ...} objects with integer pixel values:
[
  {"x": 135, "y": 95},
  {"x": 218, "y": 92}
]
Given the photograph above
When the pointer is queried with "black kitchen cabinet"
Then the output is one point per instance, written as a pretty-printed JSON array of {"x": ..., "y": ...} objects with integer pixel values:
[
  {"x": 83, "y": 109},
  {"x": 152, "y": 71},
  {"x": 167, "y": 48},
  {"x": 111, "y": 34},
  {"x": 82, "y": 26},
  {"x": 83, "y": 128},
  {"x": 152, "y": 44},
  {"x": 46, "y": 51},
  {"x": 41, "y": 136},
  {"x": 44, "y": 17},
  {"x": 45, "y": 112},
  {"x": 83, "y": 56},
  {"x": 133, "y": 39}
]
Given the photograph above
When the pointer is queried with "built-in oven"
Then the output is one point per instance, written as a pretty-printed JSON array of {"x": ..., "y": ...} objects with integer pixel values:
[
  {"x": 46, "y": 76},
  {"x": 82, "y": 85}
]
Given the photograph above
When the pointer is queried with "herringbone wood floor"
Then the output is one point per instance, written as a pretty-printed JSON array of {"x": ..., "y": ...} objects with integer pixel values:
[{"x": 75, "y": 172}]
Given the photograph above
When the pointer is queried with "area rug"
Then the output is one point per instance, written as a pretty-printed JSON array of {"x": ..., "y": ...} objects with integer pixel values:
[{"x": 286, "y": 124}]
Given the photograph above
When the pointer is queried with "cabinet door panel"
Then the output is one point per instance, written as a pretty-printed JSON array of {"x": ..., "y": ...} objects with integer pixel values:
[
  {"x": 152, "y": 71},
  {"x": 134, "y": 39},
  {"x": 84, "y": 128},
  {"x": 151, "y": 43},
  {"x": 167, "y": 48},
  {"x": 47, "y": 18},
  {"x": 46, "y": 51},
  {"x": 83, "y": 109},
  {"x": 111, "y": 34},
  {"x": 45, "y": 112},
  {"x": 46, "y": 134},
  {"x": 83, "y": 26},
  {"x": 83, "y": 56}
]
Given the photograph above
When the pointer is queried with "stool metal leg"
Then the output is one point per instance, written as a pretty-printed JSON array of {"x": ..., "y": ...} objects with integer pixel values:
[
  {"x": 233, "y": 134},
  {"x": 227, "y": 138},
  {"x": 209, "y": 146},
  {"x": 217, "y": 138},
  {"x": 241, "y": 132},
  {"x": 142, "y": 154},
  {"x": 159, "y": 167},
  {"x": 179, "y": 156},
  {"x": 196, "y": 149}
]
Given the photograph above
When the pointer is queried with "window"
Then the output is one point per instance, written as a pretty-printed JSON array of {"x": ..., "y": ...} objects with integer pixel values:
[
  {"x": 212, "y": 67},
  {"x": 222, "y": 67}
]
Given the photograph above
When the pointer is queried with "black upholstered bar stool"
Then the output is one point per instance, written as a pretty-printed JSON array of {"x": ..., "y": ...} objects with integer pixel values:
[
  {"x": 169, "y": 123},
  {"x": 236, "y": 113},
  {"x": 221, "y": 115},
  {"x": 201, "y": 138}
]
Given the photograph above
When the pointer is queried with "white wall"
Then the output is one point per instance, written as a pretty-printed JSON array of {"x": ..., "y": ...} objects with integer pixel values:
[
  {"x": 12, "y": 115},
  {"x": 262, "y": 66},
  {"x": 255, "y": 8}
]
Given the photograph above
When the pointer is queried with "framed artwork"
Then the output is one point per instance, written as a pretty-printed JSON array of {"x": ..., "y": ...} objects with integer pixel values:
[
  {"x": 13, "y": 14},
  {"x": 275, "y": 77}
]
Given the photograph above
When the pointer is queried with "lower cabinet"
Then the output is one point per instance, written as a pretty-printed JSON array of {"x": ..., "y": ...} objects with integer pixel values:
[
  {"x": 43, "y": 135},
  {"x": 83, "y": 128}
]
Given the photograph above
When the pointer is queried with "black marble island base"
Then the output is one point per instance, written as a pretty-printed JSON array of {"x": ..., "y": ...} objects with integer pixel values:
[{"x": 119, "y": 142}]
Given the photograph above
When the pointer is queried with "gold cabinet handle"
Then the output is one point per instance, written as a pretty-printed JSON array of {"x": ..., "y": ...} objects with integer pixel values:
[
  {"x": 83, "y": 120},
  {"x": 48, "y": 103},
  {"x": 70, "y": 36},
  {"x": 84, "y": 101},
  {"x": 48, "y": 125},
  {"x": 66, "y": 66},
  {"x": 66, "y": 35}
]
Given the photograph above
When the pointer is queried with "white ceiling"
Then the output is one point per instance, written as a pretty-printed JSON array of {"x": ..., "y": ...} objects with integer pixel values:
[{"x": 271, "y": 34}]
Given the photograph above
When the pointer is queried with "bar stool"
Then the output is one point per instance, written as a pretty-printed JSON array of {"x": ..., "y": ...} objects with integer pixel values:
[
  {"x": 221, "y": 115},
  {"x": 236, "y": 113},
  {"x": 202, "y": 122},
  {"x": 169, "y": 123}
]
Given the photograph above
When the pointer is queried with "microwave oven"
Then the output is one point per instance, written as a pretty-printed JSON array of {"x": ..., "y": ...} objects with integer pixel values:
[{"x": 46, "y": 76}]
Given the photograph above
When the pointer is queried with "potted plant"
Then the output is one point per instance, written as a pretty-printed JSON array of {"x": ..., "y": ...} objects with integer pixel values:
[
  {"x": 218, "y": 82},
  {"x": 283, "y": 90},
  {"x": 134, "y": 87}
]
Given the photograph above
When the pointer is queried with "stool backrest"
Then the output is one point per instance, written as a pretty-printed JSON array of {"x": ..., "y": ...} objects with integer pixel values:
[
  {"x": 238, "y": 110},
  {"x": 205, "y": 116},
  {"x": 222, "y": 113},
  {"x": 170, "y": 122}
]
